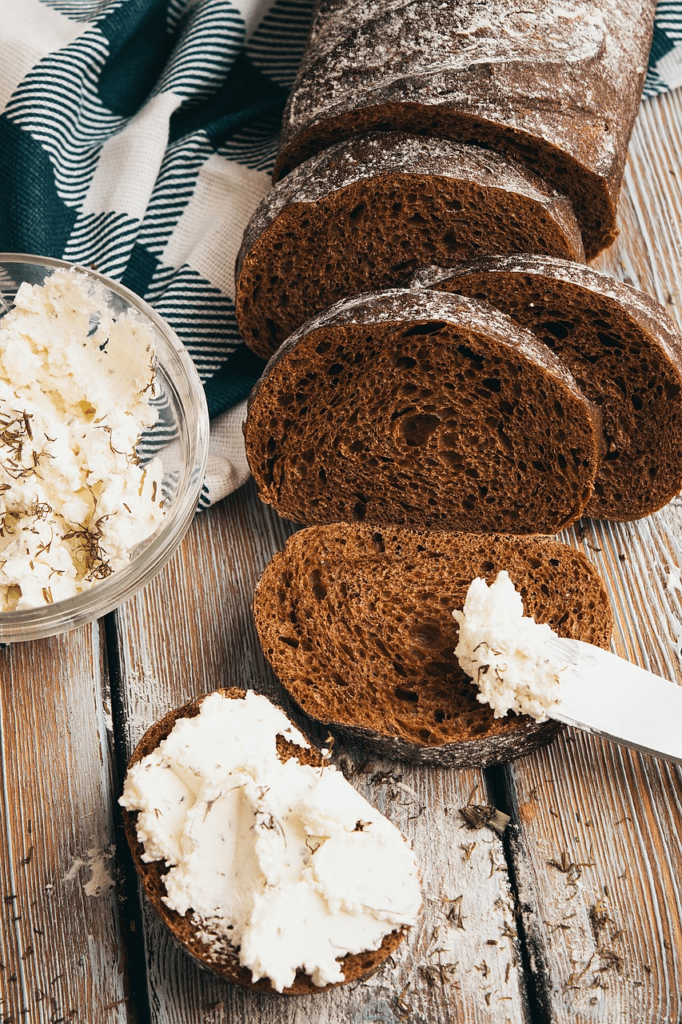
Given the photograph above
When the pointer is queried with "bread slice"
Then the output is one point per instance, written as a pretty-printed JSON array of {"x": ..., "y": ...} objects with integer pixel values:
[
  {"x": 226, "y": 964},
  {"x": 555, "y": 85},
  {"x": 365, "y": 213},
  {"x": 357, "y": 625},
  {"x": 624, "y": 352},
  {"x": 421, "y": 409}
]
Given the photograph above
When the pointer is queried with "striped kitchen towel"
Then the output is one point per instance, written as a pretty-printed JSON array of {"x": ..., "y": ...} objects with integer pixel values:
[
  {"x": 138, "y": 135},
  {"x": 665, "y": 59}
]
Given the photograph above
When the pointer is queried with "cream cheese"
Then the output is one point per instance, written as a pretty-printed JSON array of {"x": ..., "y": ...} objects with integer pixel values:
[
  {"x": 504, "y": 651},
  {"x": 75, "y": 388},
  {"x": 285, "y": 861}
]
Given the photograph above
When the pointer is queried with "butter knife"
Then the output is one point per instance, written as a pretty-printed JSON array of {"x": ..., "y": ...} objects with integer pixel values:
[{"x": 605, "y": 695}]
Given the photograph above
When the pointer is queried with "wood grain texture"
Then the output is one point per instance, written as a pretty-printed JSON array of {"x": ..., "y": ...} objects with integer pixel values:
[
  {"x": 61, "y": 956},
  {"x": 597, "y": 852},
  {"x": 192, "y": 631}
]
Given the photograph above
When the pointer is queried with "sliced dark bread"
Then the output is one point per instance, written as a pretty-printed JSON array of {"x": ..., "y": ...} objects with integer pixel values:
[
  {"x": 357, "y": 625},
  {"x": 556, "y": 85},
  {"x": 624, "y": 352},
  {"x": 421, "y": 409},
  {"x": 226, "y": 964},
  {"x": 364, "y": 214}
]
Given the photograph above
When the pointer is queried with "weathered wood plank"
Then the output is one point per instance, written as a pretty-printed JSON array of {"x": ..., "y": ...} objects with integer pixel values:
[
  {"x": 192, "y": 631},
  {"x": 606, "y": 933},
  {"x": 61, "y": 955}
]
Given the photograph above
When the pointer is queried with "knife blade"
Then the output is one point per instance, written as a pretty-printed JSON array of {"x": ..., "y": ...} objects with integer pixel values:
[{"x": 610, "y": 697}]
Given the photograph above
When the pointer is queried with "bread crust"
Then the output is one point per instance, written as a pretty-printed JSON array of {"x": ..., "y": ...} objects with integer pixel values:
[
  {"x": 226, "y": 964},
  {"x": 557, "y": 88},
  {"x": 357, "y": 625},
  {"x": 363, "y": 214},
  {"x": 623, "y": 350},
  {"x": 311, "y": 476}
]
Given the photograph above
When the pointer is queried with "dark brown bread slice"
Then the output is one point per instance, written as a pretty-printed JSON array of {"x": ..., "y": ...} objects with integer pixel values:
[
  {"x": 226, "y": 964},
  {"x": 364, "y": 214},
  {"x": 555, "y": 85},
  {"x": 624, "y": 352},
  {"x": 356, "y": 623},
  {"x": 421, "y": 409}
]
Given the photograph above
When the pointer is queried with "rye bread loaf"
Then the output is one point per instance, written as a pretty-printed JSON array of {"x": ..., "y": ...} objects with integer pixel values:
[
  {"x": 357, "y": 625},
  {"x": 555, "y": 84},
  {"x": 624, "y": 352},
  {"x": 364, "y": 214},
  {"x": 421, "y": 409},
  {"x": 226, "y": 963}
]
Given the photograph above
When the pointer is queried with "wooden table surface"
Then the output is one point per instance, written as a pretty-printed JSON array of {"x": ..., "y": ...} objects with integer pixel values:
[{"x": 576, "y": 916}]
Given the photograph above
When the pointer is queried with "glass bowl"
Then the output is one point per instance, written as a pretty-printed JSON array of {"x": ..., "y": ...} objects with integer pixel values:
[{"x": 179, "y": 438}]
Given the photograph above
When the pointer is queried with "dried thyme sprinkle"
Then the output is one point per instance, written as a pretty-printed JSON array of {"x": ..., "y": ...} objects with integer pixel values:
[
  {"x": 454, "y": 913},
  {"x": 599, "y": 917},
  {"x": 610, "y": 961},
  {"x": 114, "y": 451},
  {"x": 485, "y": 816},
  {"x": 95, "y": 556},
  {"x": 572, "y": 870},
  {"x": 14, "y": 432}
]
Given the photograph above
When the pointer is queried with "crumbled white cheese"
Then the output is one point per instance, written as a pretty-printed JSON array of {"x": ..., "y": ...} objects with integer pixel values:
[
  {"x": 285, "y": 861},
  {"x": 504, "y": 651},
  {"x": 75, "y": 386}
]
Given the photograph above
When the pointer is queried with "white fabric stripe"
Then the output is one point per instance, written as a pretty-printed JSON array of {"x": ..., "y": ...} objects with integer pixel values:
[
  {"x": 104, "y": 241},
  {"x": 212, "y": 35},
  {"x": 129, "y": 161},
  {"x": 67, "y": 118},
  {"x": 669, "y": 68},
  {"x": 276, "y": 46},
  {"x": 84, "y": 10},
  {"x": 21, "y": 50},
  {"x": 255, "y": 147},
  {"x": 252, "y": 11},
  {"x": 174, "y": 188},
  {"x": 227, "y": 466},
  {"x": 208, "y": 234}
]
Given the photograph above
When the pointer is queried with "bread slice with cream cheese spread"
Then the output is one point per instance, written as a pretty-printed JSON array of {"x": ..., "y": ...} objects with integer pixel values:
[
  {"x": 195, "y": 936},
  {"x": 357, "y": 624}
]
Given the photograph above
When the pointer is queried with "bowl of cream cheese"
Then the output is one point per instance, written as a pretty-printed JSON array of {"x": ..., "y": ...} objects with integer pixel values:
[{"x": 103, "y": 445}]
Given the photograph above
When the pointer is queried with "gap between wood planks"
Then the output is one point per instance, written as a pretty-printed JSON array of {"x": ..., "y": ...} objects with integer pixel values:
[
  {"x": 128, "y": 891},
  {"x": 498, "y": 783}
]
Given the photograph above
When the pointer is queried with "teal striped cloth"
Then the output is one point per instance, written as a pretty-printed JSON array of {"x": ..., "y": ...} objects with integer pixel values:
[
  {"x": 138, "y": 136},
  {"x": 665, "y": 59}
]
